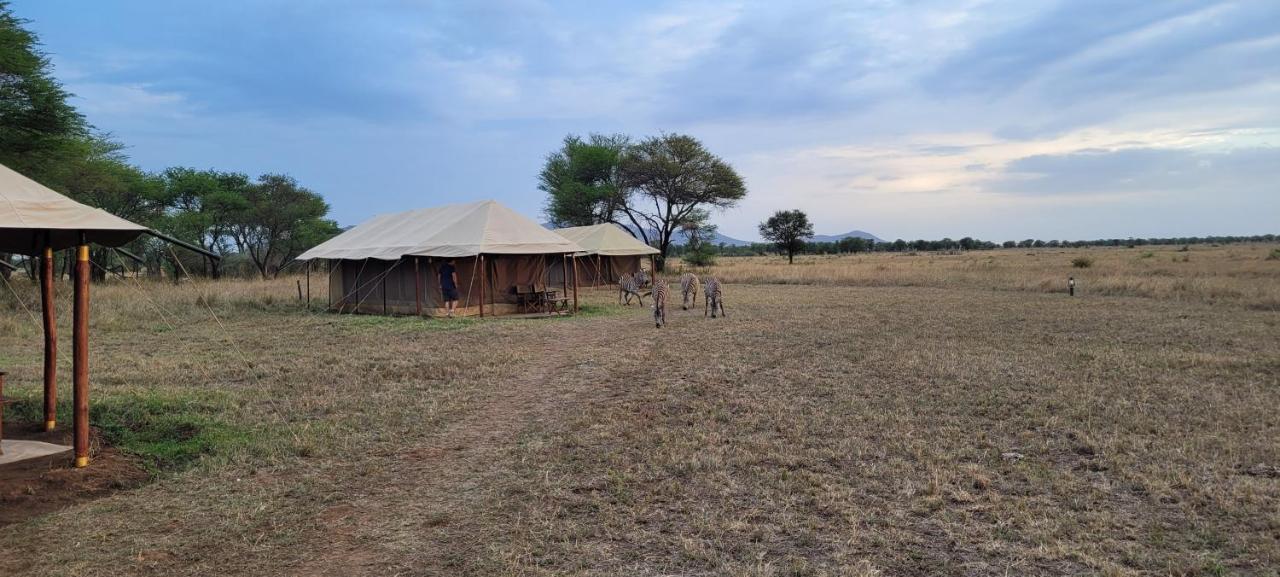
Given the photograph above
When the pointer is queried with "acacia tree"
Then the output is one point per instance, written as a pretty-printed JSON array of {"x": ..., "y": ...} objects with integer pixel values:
[
  {"x": 581, "y": 180},
  {"x": 787, "y": 229},
  {"x": 203, "y": 205},
  {"x": 671, "y": 180},
  {"x": 280, "y": 220}
]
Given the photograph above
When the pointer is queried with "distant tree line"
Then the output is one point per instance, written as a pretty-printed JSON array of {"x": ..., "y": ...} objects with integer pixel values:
[
  {"x": 860, "y": 245},
  {"x": 259, "y": 225}
]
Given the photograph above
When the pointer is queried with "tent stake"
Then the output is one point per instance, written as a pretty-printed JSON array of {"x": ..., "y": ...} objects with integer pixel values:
[
  {"x": 50, "y": 339},
  {"x": 80, "y": 357}
]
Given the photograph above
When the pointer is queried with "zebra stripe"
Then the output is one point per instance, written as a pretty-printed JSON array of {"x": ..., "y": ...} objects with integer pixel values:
[
  {"x": 688, "y": 290},
  {"x": 714, "y": 298},
  {"x": 660, "y": 290}
]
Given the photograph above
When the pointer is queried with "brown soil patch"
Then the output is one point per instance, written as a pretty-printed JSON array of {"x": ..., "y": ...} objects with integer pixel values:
[{"x": 29, "y": 490}]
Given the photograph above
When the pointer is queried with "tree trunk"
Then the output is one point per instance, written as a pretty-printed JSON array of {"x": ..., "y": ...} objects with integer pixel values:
[{"x": 791, "y": 257}]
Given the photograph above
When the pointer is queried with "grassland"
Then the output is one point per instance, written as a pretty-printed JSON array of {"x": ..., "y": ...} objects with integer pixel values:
[{"x": 915, "y": 422}]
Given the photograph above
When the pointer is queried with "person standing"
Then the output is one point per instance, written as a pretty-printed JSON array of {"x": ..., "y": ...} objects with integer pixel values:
[{"x": 449, "y": 286}]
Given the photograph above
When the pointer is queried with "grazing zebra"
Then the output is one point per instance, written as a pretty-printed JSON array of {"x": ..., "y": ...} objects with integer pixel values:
[
  {"x": 627, "y": 286},
  {"x": 688, "y": 290},
  {"x": 714, "y": 298},
  {"x": 642, "y": 279},
  {"x": 660, "y": 290}
]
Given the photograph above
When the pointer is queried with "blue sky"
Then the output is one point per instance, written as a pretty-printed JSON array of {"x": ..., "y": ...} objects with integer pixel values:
[{"x": 994, "y": 119}]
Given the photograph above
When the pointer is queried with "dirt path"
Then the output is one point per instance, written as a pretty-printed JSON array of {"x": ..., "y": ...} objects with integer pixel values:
[{"x": 422, "y": 502}]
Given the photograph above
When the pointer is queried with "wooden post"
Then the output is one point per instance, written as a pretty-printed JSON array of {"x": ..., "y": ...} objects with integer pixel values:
[
  {"x": 417, "y": 286},
  {"x": 2, "y": 402},
  {"x": 653, "y": 268},
  {"x": 329, "y": 299},
  {"x": 48, "y": 306},
  {"x": 564, "y": 275},
  {"x": 385, "y": 273},
  {"x": 480, "y": 263},
  {"x": 308, "y": 285},
  {"x": 80, "y": 357},
  {"x": 575, "y": 284}
]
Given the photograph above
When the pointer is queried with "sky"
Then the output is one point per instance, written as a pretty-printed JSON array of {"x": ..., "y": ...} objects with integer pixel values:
[{"x": 994, "y": 119}]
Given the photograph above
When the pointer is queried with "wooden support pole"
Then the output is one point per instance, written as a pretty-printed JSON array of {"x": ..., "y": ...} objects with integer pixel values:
[
  {"x": 80, "y": 357},
  {"x": 48, "y": 307},
  {"x": 385, "y": 274},
  {"x": 329, "y": 296},
  {"x": 2, "y": 403},
  {"x": 575, "y": 284},
  {"x": 480, "y": 263},
  {"x": 308, "y": 285},
  {"x": 417, "y": 286},
  {"x": 564, "y": 275}
]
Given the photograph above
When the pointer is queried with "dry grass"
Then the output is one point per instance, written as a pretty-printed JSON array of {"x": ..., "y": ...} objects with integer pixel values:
[
  {"x": 819, "y": 430},
  {"x": 1234, "y": 275}
]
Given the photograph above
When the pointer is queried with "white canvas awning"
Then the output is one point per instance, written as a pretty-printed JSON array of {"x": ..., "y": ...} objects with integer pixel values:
[
  {"x": 32, "y": 217},
  {"x": 456, "y": 230},
  {"x": 606, "y": 239}
]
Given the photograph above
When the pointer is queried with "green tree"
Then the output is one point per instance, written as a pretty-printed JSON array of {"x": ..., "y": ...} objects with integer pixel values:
[
  {"x": 787, "y": 229},
  {"x": 39, "y": 129},
  {"x": 203, "y": 208},
  {"x": 280, "y": 221},
  {"x": 698, "y": 232},
  {"x": 668, "y": 179},
  {"x": 581, "y": 181}
]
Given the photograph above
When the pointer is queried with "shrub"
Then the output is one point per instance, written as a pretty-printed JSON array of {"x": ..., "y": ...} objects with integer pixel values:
[
  {"x": 1147, "y": 254},
  {"x": 1275, "y": 254},
  {"x": 1082, "y": 262}
]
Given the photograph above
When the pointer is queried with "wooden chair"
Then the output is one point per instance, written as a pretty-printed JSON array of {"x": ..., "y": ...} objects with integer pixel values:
[{"x": 526, "y": 297}]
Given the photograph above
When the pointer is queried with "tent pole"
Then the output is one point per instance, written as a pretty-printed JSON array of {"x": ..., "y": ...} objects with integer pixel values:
[
  {"x": 80, "y": 356},
  {"x": 50, "y": 338},
  {"x": 417, "y": 286},
  {"x": 480, "y": 263},
  {"x": 329, "y": 297},
  {"x": 385, "y": 274},
  {"x": 564, "y": 274},
  {"x": 575, "y": 284},
  {"x": 308, "y": 285}
]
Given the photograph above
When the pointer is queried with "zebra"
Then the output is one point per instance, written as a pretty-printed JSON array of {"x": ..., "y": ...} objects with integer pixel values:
[
  {"x": 688, "y": 290},
  {"x": 627, "y": 286},
  {"x": 714, "y": 298},
  {"x": 642, "y": 279},
  {"x": 660, "y": 289}
]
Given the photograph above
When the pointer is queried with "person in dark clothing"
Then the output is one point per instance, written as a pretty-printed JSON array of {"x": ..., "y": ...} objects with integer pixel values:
[{"x": 449, "y": 286}]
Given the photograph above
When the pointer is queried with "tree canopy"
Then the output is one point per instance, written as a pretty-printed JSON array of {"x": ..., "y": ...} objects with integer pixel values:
[
  {"x": 787, "y": 229},
  {"x": 653, "y": 188}
]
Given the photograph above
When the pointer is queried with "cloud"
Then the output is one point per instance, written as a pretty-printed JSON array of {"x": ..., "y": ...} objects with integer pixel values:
[{"x": 1149, "y": 171}]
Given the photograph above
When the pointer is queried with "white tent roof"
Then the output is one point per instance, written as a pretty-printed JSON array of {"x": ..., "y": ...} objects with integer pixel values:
[
  {"x": 33, "y": 216},
  {"x": 455, "y": 230},
  {"x": 606, "y": 239}
]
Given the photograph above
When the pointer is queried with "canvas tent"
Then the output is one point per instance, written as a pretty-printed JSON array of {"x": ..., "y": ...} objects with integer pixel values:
[
  {"x": 389, "y": 264},
  {"x": 609, "y": 251},
  {"x": 37, "y": 221}
]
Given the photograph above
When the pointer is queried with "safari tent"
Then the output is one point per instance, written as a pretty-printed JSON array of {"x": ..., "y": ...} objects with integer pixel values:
[
  {"x": 36, "y": 221},
  {"x": 390, "y": 263},
  {"x": 609, "y": 252}
]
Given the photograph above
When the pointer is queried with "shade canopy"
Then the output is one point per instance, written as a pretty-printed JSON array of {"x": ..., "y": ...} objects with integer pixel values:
[
  {"x": 32, "y": 217},
  {"x": 455, "y": 230},
  {"x": 606, "y": 239}
]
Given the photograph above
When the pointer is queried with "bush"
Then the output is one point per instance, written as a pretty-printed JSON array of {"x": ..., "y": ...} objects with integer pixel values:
[
  {"x": 1275, "y": 254},
  {"x": 1082, "y": 262},
  {"x": 700, "y": 258}
]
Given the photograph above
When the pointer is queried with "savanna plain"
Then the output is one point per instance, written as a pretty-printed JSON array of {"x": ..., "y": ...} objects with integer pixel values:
[{"x": 884, "y": 414}]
